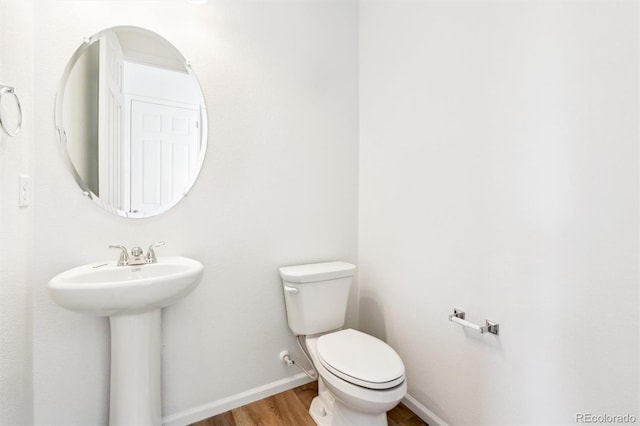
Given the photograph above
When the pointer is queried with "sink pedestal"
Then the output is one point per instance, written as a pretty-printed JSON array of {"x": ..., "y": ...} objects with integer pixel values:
[
  {"x": 132, "y": 297},
  {"x": 135, "y": 369}
]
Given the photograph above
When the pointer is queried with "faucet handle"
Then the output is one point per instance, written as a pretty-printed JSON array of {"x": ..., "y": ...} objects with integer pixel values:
[
  {"x": 124, "y": 255},
  {"x": 151, "y": 254}
]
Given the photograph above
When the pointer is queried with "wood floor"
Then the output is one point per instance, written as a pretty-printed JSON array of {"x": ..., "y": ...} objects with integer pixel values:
[{"x": 291, "y": 408}]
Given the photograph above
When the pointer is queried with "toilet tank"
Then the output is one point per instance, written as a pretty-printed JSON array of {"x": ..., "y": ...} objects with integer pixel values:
[{"x": 316, "y": 296}]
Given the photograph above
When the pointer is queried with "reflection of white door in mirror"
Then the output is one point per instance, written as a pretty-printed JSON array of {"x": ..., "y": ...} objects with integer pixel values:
[
  {"x": 164, "y": 151},
  {"x": 111, "y": 144}
]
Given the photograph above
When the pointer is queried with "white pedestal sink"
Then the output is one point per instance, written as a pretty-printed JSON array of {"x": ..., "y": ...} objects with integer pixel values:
[{"x": 131, "y": 296}]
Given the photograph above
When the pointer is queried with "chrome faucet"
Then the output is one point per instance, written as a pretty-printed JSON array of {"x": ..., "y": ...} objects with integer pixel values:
[{"x": 136, "y": 257}]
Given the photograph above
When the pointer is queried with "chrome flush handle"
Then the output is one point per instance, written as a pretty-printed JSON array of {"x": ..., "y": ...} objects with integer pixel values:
[
  {"x": 124, "y": 255},
  {"x": 151, "y": 254}
]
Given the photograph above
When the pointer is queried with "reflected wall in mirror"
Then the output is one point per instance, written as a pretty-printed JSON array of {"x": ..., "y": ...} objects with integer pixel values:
[{"x": 131, "y": 120}]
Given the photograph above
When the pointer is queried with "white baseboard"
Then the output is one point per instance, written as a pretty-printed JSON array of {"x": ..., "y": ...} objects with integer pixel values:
[
  {"x": 423, "y": 412},
  {"x": 234, "y": 401},
  {"x": 213, "y": 408}
]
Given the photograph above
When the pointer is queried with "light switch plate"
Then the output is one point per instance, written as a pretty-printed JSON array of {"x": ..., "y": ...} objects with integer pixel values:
[{"x": 24, "y": 190}]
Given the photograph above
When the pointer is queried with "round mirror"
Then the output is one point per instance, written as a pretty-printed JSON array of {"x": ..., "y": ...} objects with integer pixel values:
[{"x": 132, "y": 122}]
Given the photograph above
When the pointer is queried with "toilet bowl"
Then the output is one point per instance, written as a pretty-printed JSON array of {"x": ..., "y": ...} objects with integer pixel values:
[
  {"x": 360, "y": 377},
  {"x": 352, "y": 391}
]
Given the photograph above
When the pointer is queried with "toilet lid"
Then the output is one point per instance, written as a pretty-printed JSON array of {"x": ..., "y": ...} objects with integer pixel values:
[{"x": 360, "y": 359}]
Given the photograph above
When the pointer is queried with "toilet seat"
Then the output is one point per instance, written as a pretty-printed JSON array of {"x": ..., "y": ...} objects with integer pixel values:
[{"x": 360, "y": 359}]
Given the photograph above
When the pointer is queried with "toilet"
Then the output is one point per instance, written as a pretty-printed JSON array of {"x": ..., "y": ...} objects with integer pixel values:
[{"x": 360, "y": 377}]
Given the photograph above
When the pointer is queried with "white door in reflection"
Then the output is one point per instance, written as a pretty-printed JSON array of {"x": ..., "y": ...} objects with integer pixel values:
[
  {"x": 111, "y": 147},
  {"x": 165, "y": 143}
]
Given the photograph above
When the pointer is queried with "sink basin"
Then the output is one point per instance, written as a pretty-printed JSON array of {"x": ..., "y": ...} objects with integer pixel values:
[{"x": 104, "y": 289}]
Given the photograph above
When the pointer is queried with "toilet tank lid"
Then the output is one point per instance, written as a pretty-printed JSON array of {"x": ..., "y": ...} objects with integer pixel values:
[{"x": 317, "y": 272}]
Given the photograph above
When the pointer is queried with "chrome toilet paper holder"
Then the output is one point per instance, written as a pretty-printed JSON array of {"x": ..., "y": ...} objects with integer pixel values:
[{"x": 458, "y": 316}]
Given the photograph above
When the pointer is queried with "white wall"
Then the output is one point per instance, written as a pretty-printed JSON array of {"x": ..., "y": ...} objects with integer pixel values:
[
  {"x": 499, "y": 174},
  {"x": 16, "y": 37},
  {"x": 278, "y": 187}
]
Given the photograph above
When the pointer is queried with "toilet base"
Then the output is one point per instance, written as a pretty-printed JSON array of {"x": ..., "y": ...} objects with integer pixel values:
[
  {"x": 326, "y": 410},
  {"x": 319, "y": 413},
  {"x": 321, "y": 409}
]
